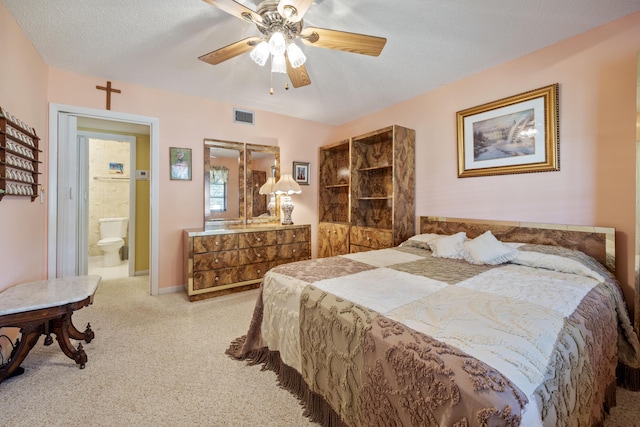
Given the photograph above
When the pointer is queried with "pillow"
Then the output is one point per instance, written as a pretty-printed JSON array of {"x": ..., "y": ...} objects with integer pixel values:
[
  {"x": 421, "y": 240},
  {"x": 486, "y": 249},
  {"x": 555, "y": 263},
  {"x": 449, "y": 246}
]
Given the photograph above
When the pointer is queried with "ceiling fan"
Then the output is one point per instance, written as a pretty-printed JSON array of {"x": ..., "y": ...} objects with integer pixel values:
[{"x": 280, "y": 23}]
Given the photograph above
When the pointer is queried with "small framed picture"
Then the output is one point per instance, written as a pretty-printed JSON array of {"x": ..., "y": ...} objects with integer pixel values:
[
  {"x": 180, "y": 163},
  {"x": 301, "y": 172}
]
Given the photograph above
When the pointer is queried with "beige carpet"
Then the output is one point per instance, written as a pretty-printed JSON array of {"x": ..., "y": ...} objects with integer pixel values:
[{"x": 159, "y": 361}]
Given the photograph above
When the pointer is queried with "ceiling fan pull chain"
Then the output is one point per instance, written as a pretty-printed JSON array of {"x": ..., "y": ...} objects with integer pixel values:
[{"x": 271, "y": 78}]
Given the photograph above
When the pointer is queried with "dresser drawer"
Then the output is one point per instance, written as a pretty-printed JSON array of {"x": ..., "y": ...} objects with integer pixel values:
[
  {"x": 294, "y": 250},
  {"x": 371, "y": 237},
  {"x": 254, "y": 255},
  {"x": 256, "y": 239},
  {"x": 213, "y": 278},
  {"x": 294, "y": 235},
  {"x": 222, "y": 242},
  {"x": 254, "y": 271},
  {"x": 214, "y": 260}
]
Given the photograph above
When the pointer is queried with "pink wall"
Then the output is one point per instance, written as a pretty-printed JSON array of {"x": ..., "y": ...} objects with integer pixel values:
[
  {"x": 184, "y": 122},
  {"x": 23, "y": 92},
  {"x": 596, "y": 182},
  {"x": 596, "y": 185}
]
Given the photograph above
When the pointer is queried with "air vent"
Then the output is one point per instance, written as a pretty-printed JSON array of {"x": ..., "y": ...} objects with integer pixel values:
[{"x": 241, "y": 116}]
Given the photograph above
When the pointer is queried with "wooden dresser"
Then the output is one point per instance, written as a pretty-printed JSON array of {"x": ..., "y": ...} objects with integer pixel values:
[{"x": 226, "y": 260}]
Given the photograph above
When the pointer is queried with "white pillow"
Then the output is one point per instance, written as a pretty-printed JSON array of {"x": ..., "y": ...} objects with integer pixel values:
[
  {"x": 421, "y": 240},
  {"x": 556, "y": 263},
  {"x": 486, "y": 249},
  {"x": 449, "y": 246}
]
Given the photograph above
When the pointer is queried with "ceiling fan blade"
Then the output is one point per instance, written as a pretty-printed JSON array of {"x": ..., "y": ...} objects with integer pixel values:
[
  {"x": 298, "y": 76},
  {"x": 342, "y": 40},
  {"x": 236, "y": 9},
  {"x": 293, "y": 10},
  {"x": 230, "y": 51}
]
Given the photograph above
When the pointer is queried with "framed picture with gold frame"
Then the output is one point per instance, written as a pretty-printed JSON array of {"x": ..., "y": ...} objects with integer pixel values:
[{"x": 519, "y": 134}]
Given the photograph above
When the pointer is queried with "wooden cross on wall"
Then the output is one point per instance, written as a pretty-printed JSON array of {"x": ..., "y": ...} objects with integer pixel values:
[{"x": 108, "y": 89}]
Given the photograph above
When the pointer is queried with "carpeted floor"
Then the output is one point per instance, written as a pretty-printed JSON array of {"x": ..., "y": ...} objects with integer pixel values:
[{"x": 159, "y": 361}]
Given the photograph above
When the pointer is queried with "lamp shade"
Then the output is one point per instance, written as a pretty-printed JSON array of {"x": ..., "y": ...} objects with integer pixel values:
[
  {"x": 277, "y": 44},
  {"x": 278, "y": 65},
  {"x": 287, "y": 185},
  {"x": 296, "y": 57},
  {"x": 260, "y": 53},
  {"x": 268, "y": 187}
]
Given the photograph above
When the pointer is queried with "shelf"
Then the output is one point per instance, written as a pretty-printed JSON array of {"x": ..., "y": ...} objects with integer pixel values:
[
  {"x": 337, "y": 186},
  {"x": 376, "y": 198},
  {"x": 375, "y": 168},
  {"x": 19, "y": 152}
]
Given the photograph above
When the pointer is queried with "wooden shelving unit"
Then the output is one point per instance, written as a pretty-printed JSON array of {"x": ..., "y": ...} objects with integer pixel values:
[
  {"x": 19, "y": 157},
  {"x": 333, "y": 199},
  {"x": 379, "y": 177}
]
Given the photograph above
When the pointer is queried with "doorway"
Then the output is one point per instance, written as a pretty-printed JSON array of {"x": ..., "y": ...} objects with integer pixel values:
[
  {"x": 66, "y": 192},
  {"x": 108, "y": 207}
]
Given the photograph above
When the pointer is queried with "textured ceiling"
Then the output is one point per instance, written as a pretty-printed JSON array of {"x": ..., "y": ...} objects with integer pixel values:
[{"x": 156, "y": 43}]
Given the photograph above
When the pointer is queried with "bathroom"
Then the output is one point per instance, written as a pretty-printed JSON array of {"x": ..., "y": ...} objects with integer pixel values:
[{"x": 109, "y": 207}]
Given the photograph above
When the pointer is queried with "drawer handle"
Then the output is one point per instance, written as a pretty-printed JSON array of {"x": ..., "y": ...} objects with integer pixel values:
[
  {"x": 217, "y": 243},
  {"x": 259, "y": 255},
  {"x": 294, "y": 251},
  {"x": 294, "y": 235},
  {"x": 217, "y": 278},
  {"x": 216, "y": 260},
  {"x": 259, "y": 239},
  {"x": 259, "y": 271},
  {"x": 368, "y": 238}
]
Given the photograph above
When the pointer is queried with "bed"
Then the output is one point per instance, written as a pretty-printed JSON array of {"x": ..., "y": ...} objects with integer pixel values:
[{"x": 467, "y": 323}]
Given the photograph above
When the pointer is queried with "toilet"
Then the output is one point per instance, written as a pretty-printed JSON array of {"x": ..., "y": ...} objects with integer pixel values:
[{"x": 112, "y": 233}]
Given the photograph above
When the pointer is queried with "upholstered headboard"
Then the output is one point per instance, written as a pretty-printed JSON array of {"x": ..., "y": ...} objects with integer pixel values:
[{"x": 598, "y": 242}]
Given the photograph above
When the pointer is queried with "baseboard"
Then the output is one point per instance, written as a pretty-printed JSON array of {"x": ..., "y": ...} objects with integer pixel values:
[
  {"x": 172, "y": 289},
  {"x": 141, "y": 273}
]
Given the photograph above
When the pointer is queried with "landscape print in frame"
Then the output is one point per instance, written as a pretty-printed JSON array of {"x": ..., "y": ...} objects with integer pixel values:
[{"x": 518, "y": 134}]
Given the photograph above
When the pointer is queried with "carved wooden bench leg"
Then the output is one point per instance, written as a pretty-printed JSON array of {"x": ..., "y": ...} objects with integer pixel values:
[
  {"x": 28, "y": 339},
  {"x": 61, "y": 329},
  {"x": 74, "y": 333}
]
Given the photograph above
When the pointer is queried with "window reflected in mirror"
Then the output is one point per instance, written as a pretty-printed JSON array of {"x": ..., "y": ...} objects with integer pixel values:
[
  {"x": 224, "y": 181},
  {"x": 219, "y": 179}
]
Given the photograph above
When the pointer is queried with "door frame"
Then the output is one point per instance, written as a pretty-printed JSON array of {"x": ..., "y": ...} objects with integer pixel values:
[{"x": 154, "y": 141}]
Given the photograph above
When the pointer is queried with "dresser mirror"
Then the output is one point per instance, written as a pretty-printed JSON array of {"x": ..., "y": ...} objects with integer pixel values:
[
  {"x": 262, "y": 165},
  {"x": 234, "y": 174}
]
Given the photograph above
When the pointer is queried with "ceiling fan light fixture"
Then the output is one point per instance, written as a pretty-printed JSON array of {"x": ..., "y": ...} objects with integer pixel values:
[
  {"x": 260, "y": 53},
  {"x": 277, "y": 43},
  {"x": 295, "y": 55},
  {"x": 278, "y": 64}
]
